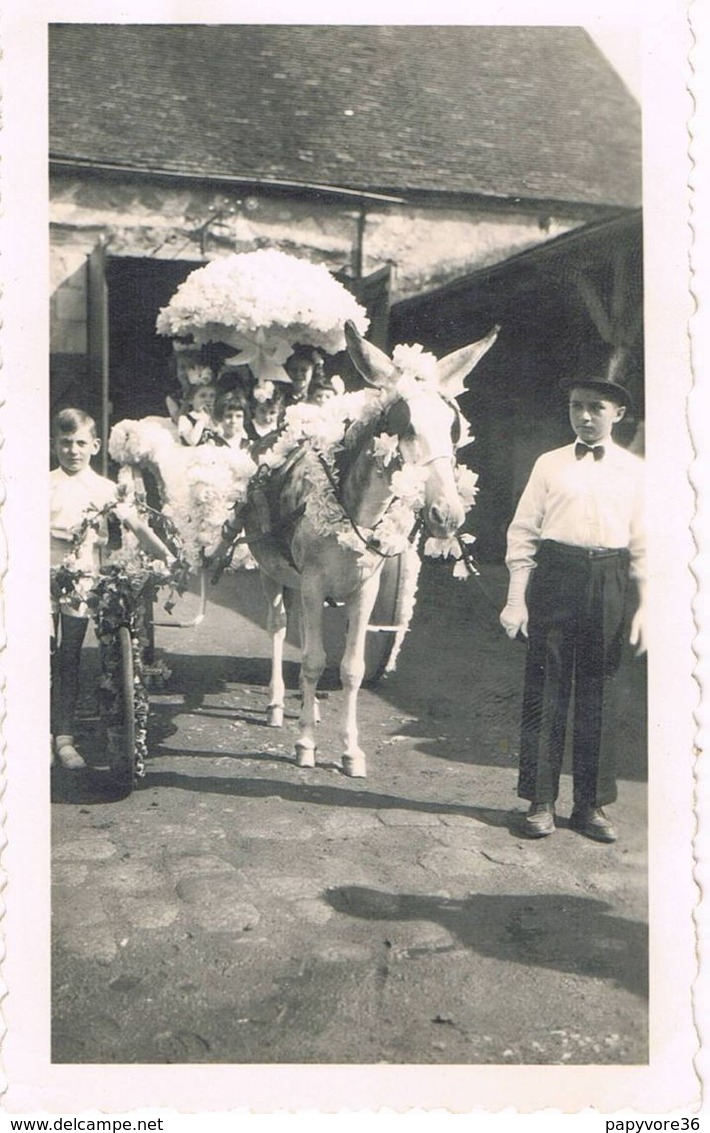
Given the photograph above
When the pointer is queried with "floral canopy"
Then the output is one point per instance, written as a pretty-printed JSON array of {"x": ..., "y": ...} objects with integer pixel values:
[{"x": 262, "y": 303}]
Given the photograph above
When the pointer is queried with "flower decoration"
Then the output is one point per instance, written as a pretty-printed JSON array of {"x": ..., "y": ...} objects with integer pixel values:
[
  {"x": 442, "y": 548},
  {"x": 264, "y": 355},
  {"x": 385, "y": 449},
  {"x": 453, "y": 548},
  {"x": 467, "y": 438},
  {"x": 262, "y": 303},
  {"x": 408, "y": 483},
  {"x": 199, "y": 376},
  {"x": 321, "y": 432},
  {"x": 415, "y": 362},
  {"x": 264, "y": 391},
  {"x": 406, "y": 600},
  {"x": 118, "y": 595},
  {"x": 466, "y": 484},
  {"x": 199, "y": 484},
  {"x": 146, "y": 441}
]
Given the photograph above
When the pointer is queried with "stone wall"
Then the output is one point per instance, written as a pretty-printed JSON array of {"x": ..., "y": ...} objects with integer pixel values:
[{"x": 426, "y": 246}]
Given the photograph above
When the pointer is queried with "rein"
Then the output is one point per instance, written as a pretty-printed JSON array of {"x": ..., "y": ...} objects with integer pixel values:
[
  {"x": 474, "y": 571},
  {"x": 370, "y": 546}
]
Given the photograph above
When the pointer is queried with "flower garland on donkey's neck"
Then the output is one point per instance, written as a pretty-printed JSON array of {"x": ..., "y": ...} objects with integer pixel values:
[{"x": 322, "y": 433}]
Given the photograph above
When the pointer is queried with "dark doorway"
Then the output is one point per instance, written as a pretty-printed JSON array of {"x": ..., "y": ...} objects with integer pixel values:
[
  {"x": 139, "y": 374},
  {"x": 548, "y": 331}
]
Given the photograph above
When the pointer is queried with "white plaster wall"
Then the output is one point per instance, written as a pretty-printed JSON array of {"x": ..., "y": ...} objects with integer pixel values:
[{"x": 426, "y": 246}]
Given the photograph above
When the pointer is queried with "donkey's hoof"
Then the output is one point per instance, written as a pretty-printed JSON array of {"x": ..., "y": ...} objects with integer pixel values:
[
  {"x": 355, "y": 766},
  {"x": 305, "y": 756},
  {"x": 275, "y": 716}
]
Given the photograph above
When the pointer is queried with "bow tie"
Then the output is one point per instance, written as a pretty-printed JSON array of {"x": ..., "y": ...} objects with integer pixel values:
[{"x": 581, "y": 450}]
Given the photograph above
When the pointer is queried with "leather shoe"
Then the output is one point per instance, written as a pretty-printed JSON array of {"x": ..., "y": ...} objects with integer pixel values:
[
  {"x": 540, "y": 820},
  {"x": 67, "y": 754},
  {"x": 593, "y": 823}
]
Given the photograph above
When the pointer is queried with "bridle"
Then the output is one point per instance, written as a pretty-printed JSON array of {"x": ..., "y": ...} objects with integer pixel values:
[
  {"x": 396, "y": 420},
  {"x": 367, "y": 543}
]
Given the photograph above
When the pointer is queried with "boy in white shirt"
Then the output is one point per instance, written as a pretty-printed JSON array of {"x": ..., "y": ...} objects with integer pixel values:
[
  {"x": 576, "y": 539},
  {"x": 75, "y": 488}
]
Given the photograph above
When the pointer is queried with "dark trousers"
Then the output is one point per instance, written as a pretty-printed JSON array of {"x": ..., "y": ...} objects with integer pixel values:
[
  {"x": 575, "y": 635},
  {"x": 66, "y": 657}
]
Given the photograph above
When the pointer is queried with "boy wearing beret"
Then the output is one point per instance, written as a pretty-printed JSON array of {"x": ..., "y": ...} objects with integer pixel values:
[{"x": 575, "y": 544}]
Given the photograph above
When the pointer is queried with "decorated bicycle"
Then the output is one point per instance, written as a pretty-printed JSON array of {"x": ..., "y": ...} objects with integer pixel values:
[{"x": 119, "y": 596}]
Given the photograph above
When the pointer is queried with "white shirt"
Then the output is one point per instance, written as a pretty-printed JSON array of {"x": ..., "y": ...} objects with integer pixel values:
[
  {"x": 239, "y": 441},
  {"x": 69, "y": 498},
  {"x": 584, "y": 503}
]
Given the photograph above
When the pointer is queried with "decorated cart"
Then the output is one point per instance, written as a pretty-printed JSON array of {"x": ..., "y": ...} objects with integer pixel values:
[{"x": 259, "y": 307}]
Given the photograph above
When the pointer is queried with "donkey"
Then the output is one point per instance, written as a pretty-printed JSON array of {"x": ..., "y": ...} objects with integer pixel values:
[{"x": 423, "y": 424}]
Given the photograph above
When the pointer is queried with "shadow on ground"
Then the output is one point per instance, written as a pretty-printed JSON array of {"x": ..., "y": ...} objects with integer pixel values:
[{"x": 523, "y": 929}]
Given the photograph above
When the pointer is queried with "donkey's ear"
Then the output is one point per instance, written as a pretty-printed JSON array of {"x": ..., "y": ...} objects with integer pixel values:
[
  {"x": 374, "y": 365},
  {"x": 454, "y": 368}
]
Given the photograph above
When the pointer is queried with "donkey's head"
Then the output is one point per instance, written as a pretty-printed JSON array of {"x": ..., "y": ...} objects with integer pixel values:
[{"x": 421, "y": 411}]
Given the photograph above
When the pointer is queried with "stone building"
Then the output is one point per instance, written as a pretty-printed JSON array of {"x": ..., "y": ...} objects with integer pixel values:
[{"x": 414, "y": 162}]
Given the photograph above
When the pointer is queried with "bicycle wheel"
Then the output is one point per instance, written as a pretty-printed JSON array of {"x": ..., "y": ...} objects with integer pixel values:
[{"x": 122, "y": 738}]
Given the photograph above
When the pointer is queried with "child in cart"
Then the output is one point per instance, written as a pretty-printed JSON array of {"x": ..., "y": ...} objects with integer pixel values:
[
  {"x": 185, "y": 366},
  {"x": 265, "y": 418},
  {"x": 230, "y": 418},
  {"x": 76, "y": 491},
  {"x": 195, "y": 424},
  {"x": 323, "y": 388}
]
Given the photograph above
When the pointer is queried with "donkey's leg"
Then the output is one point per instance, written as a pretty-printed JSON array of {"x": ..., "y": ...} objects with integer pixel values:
[
  {"x": 316, "y": 706},
  {"x": 352, "y": 671},
  {"x": 312, "y": 665},
  {"x": 276, "y": 627}
]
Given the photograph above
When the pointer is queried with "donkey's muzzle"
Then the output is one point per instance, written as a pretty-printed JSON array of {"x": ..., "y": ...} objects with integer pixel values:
[{"x": 443, "y": 519}]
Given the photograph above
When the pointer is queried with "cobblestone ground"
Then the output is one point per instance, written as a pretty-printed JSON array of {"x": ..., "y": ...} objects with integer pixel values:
[{"x": 236, "y": 908}]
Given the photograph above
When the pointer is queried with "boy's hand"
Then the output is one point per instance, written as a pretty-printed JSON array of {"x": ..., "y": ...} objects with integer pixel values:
[
  {"x": 637, "y": 635},
  {"x": 514, "y": 619}
]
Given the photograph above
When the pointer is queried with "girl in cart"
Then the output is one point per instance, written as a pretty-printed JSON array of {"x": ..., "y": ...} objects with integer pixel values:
[
  {"x": 195, "y": 424},
  {"x": 230, "y": 418}
]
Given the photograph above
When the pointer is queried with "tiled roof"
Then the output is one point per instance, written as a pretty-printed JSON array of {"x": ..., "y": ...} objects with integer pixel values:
[{"x": 508, "y": 112}]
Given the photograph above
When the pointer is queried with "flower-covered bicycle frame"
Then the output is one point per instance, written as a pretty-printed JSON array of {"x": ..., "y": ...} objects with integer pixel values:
[{"x": 119, "y": 598}]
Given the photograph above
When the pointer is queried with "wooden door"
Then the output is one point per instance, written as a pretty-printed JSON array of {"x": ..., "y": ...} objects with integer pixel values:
[{"x": 98, "y": 343}]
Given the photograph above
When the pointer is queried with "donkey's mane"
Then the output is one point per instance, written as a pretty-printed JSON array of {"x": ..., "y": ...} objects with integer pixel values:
[
  {"x": 289, "y": 486},
  {"x": 357, "y": 437}
]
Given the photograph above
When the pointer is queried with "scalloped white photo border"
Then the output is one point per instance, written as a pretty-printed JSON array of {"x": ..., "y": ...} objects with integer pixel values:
[{"x": 673, "y": 1083}]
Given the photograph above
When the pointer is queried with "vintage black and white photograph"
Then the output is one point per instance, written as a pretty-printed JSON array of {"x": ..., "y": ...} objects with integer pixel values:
[{"x": 351, "y": 449}]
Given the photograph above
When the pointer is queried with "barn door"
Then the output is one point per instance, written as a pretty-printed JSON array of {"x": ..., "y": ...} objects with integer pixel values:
[
  {"x": 97, "y": 343},
  {"x": 373, "y": 293}
]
